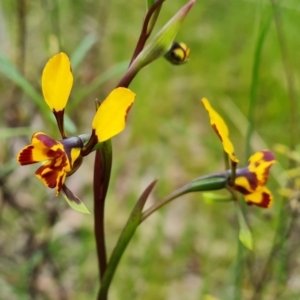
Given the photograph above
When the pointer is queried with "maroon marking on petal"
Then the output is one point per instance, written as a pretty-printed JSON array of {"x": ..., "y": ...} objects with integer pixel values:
[
  {"x": 60, "y": 183},
  {"x": 265, "y": 175},
  {"x": 55, "y": 153},
  {"x": 25, "y": 156},
  {"x": 242, "y": 190},
  {"x": 46, "y": 140},
  {"x": 251, "y": 177},
  {"x": 53, "y": 175},
  {"x": 268, "y": 155},
  {"x": 265, "y": 201},
  {"x": 217, "y": 131},
  {"x": 127, "y": 111},
  {"x": 49, "y": 177}
]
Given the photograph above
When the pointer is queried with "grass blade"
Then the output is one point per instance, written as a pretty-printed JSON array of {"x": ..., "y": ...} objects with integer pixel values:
[
  {"x": 82, "y": 49},
  {"x": 124, "y": 239}
]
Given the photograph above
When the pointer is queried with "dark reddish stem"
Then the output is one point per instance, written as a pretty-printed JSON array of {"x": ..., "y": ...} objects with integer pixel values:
[
  {"x": 103, "y": 158},
  {"x": 59, "y": 116},
  {"x": 131, "y": 72},
  {"x": 144, "y": 33},
  {"x": 102, "y": 169}
]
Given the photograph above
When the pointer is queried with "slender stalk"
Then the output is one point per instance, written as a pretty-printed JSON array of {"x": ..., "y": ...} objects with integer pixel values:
[
  {"x": 102, "y": 169},
  {"x": 145, "y": 33},
  {"x": 103, "y": 163},
  {"x": 162, "y": 203},
  {"x": 209, "y": 182}
]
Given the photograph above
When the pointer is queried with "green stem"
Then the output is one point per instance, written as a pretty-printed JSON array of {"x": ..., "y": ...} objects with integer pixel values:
[
  {"x": 123, "y": 241},
  {"x": 206, "y": 183}
]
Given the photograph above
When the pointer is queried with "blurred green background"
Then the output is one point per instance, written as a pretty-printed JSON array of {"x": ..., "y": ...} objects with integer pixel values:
[{"x": 189, "y": 250}]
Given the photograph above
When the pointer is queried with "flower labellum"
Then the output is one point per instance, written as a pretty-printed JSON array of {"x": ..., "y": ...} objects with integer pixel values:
[
  {"x": 59, "y": 157},
  {"x": 251, "y": 181}
]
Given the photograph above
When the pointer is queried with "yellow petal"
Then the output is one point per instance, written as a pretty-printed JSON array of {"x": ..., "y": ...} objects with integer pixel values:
[
  {"x": 221, "y": 129},
  {"x": 57, "y": 81},
  {"x": 260, "y": 164},
  {"x": 243, "y": 185},
  {"x": 42, "y": 147},
  {"x": 261, "y": 197},
  {"x": 110, "y": 118}
]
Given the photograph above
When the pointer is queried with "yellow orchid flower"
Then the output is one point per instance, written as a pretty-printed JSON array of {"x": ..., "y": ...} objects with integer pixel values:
[
  {"x": 60, "y": 158},
  {"x": 63, "y": 157},
  {"x": 251, "y": 180}
]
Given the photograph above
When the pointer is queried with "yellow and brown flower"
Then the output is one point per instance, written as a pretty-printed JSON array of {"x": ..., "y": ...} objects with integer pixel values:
[
  {"x": 251, "y": 180},
  {"x": 61, "y": 158}
]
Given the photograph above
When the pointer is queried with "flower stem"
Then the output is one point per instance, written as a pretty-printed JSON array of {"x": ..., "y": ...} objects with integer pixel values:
[
  {"x": 145, "y": 33},
  {"x": 161, "y": 203},
  {"x": 205, "y": 183},
  {"x": 102, "y": 169}
]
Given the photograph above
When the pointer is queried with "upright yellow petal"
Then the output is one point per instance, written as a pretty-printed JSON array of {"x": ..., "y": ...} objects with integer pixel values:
[
  {"x": 57, "y": 81},
  {"x": 110, "y": 118},
  {"x": 221, "y": 129}
]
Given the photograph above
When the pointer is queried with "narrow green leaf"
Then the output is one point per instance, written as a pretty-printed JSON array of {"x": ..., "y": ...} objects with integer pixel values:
[
  {"x": 255, "y": 80},
  {"x": 245, "y": 235},
  {"x": 124, "y": 239},
  {"x": 15, "y": 132},
  {"x": 9, "y": 71},
  {"x": 82, "y": 49}
]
